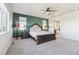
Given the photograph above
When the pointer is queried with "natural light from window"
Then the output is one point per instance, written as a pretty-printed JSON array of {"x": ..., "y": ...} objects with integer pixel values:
[
  {"x": 22, "y": 23},
  {"x": 4, "y": 19}
]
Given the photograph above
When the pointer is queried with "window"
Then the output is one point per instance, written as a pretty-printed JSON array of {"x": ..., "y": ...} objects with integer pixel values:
[
  {"x": 22, "y": 23},
  {"x": 0, "y": 19},
  {"x": 44, "y": 25},
  {"x": 57, "y": 25},
  {"x": 4, "y": 19}
]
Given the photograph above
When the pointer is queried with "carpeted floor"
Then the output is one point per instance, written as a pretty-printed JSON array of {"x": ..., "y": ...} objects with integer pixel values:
[{"x": 56, "y": 47}]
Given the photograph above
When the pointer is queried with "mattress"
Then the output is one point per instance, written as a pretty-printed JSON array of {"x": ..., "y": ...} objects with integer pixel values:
[{"x": 36, "y": 33}]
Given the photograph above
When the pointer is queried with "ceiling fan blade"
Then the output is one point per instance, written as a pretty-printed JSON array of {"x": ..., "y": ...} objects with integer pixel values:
[
  {"x": 43, "y": 10},
  {"x": 49, "y": 10},
  {"x": 53, "y": 10}
]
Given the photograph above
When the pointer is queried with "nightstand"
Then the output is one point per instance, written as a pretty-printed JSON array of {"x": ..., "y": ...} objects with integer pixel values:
[{"x": 25, "y": 35}]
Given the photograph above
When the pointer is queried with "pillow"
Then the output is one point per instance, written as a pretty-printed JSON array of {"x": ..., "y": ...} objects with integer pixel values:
[{"x": 35, "y": 28}]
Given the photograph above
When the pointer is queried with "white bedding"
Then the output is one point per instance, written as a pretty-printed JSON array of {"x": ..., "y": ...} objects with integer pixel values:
[{"x": 36, "y": 33}]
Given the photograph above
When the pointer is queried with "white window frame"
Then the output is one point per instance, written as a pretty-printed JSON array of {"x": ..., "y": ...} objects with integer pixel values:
[
  {"x": 44, "y": 24},
  {"x": 0, "y": 19},
  {"x": 4, "y": 21},
  {"x": 24, "y": 21}
]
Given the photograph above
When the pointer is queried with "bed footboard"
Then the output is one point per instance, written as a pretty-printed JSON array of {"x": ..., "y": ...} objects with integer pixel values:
[{"x": 45, "y": 38}]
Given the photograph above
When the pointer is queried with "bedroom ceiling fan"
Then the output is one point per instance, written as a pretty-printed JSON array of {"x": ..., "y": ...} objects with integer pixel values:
[{"x": 49, "y": 10}]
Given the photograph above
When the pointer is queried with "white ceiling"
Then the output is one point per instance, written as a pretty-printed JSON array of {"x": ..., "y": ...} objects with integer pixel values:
[{"x": 34, "y": 9}]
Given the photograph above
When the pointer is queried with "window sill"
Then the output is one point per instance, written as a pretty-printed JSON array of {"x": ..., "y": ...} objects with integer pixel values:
[{"x": 3, "y": 33}]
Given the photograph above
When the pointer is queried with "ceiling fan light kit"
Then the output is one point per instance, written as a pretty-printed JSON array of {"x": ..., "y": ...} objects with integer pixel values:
[{"x": 47, "y": 12}]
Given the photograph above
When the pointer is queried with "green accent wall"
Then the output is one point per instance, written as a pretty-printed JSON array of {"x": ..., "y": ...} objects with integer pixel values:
[{"x": 30, "y": 21}]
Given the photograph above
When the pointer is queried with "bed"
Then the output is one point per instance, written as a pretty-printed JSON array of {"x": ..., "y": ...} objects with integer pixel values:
[{"x": 39, "y": 35}]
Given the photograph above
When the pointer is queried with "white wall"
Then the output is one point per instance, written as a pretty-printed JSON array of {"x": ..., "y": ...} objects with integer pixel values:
[
  {"x": 70, "y": 25},
  {"x": 51, "y": 24},
  {"x": 5, "y": 39}
]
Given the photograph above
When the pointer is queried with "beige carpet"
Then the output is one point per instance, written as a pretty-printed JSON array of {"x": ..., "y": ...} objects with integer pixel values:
[{"x": 56, "y": 47}]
